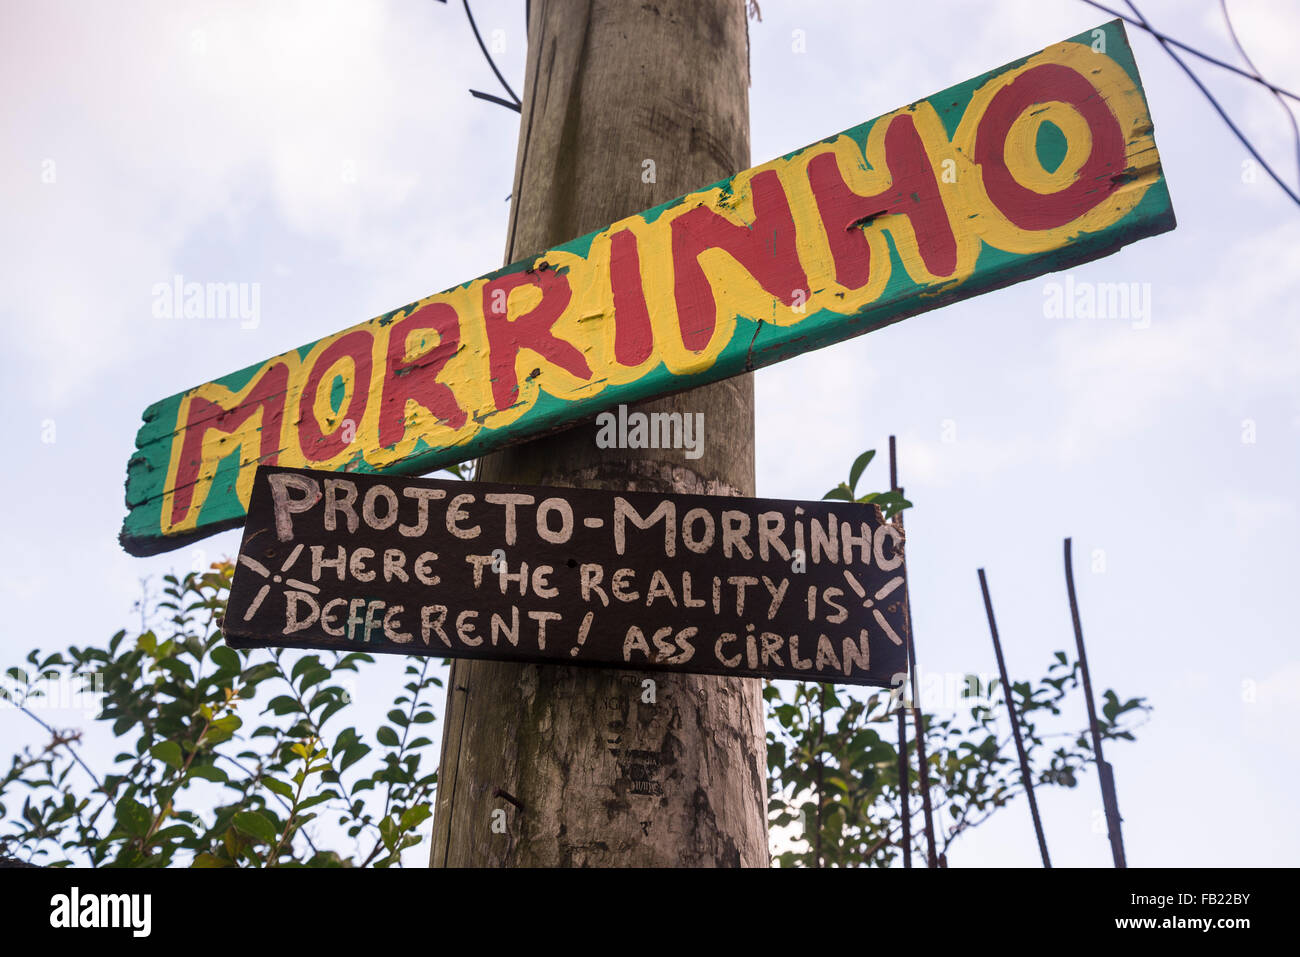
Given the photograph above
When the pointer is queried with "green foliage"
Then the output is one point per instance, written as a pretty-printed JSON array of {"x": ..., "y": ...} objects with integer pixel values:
[
  {"x": 229, "y": 755},
  {"x": 891, "y": 502},
  {"x": 833, "y": 763},
  {"x": 833, "y": 778}
]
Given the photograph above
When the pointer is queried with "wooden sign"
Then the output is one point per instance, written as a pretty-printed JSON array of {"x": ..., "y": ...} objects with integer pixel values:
[
  {"x": 1039, "y": 165},
  {"x": 691, "y": 583}
]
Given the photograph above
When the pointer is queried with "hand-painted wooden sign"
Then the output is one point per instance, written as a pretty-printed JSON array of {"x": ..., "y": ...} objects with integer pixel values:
[
  {"x": 1039, "y": 165},
  {"x": 691, "y": 583}
]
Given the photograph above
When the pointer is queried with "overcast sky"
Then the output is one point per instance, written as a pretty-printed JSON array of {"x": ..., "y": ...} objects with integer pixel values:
[{"x": 329, "y": 153}]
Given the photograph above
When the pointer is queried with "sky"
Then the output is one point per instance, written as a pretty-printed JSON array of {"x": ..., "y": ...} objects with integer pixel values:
[{"x": 330, "y": 153}]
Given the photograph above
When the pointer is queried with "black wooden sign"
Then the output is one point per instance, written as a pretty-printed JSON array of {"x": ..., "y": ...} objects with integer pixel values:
[{"x": 693, "y": 583}]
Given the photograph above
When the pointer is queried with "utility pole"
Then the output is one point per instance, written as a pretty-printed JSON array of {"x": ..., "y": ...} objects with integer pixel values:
[{"x": 625, "y": 106}]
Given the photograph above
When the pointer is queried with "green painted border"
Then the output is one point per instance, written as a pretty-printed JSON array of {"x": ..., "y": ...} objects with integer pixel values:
[{"x": 753, "y": 345}]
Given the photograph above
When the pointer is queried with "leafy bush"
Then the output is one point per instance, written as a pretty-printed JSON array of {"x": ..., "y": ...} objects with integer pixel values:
[
  {"x": 206, "y": 781},
  {"x": 833, "y": 776},
  {"x": 209, "y": 780}
]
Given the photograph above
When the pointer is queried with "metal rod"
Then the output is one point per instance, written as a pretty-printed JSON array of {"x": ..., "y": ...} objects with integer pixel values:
[
  {"x": 904, "y": 767},
  {"x": 904, "y": 788},
  {"x": 1104, "y": 771},
  {"x": 893, "y": 465},
  {"x": 821, "y": 743},
  {"x": 918, "y": 719},
  {"x": 1026, "y": 776}
]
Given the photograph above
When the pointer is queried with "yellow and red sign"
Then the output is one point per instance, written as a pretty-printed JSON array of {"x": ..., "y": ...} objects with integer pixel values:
[{"x": 1039, "y": 165}]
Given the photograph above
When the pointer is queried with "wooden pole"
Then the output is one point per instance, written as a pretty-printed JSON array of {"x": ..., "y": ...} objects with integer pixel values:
[
  {"x": 625, "y": 106},
  {"x": 1026, "y": 776},
  {"x": 1104, "y": 771}
]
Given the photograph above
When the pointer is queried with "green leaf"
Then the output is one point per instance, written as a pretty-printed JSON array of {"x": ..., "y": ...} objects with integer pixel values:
[
  {"x": 859, "y": 465},
  {"x": 387, "y": 736},
  {"x": 169, "y": 753},
  {"x": 225, "y": 658},
  {"x": 1111, "y": 708},
  {"x": 133, "y": 817},
  {"x": 258, "y": 673},
  {"x": 283, "y": 704},
  {"x": 308, "y": 661},
  {"x": 313, "y": 676},
  {"x": 346, "y": 738},
  {"x": 891, "y": 503},
  {"x": 223, "y": 729},
  {"x": 279, "y": 787},
  {"x": 176, "y": 833},
  {"x": 256, "y": 825},
  {"x": 388, "y": 832},
  {"x": 209, "y": 772},
  {"x": 352, "y": 755},
  {"x": 316, "y": 799},
  {"x": 413, "y": 817}
]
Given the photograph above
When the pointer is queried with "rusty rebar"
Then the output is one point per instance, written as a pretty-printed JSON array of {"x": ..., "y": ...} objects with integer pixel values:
[
  {"x": 1026, "y": 776},
  {"x": 1105, "y": 773}
]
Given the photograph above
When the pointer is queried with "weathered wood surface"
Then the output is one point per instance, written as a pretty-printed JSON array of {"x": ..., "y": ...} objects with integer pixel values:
[
  {"x": 604, "y": 772},
  {"x": 1033, "y": 167},
  {"x": 695, "y": 584}
]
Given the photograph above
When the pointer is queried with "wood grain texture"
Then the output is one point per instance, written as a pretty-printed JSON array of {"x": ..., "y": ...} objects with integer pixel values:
[
  {"x": 679, "y": 584},
  {"x": 1030, "y": 168},
  {"x": 596, "y": 775}
]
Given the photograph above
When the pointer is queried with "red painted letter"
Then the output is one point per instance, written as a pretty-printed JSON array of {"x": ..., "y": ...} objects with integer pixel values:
[
  {"x": 532, "y": 330},
  {"x": 767, "y": 251},
  {"x": 202, "y": 417},
  {"x": 1095, "y": 180},
  {"x": 633, "y": 336},
  {"x": 417, "y": 380},
  {"x": 914, "y": 193}
]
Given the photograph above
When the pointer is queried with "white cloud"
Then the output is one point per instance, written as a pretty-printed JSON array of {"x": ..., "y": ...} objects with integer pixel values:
[
  {"x": 1214, "y": 328},
  {"x": 1271, "y": 702},
  {"x": 1252, "y": 516},
  {"x": 165, "y": 122}
]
